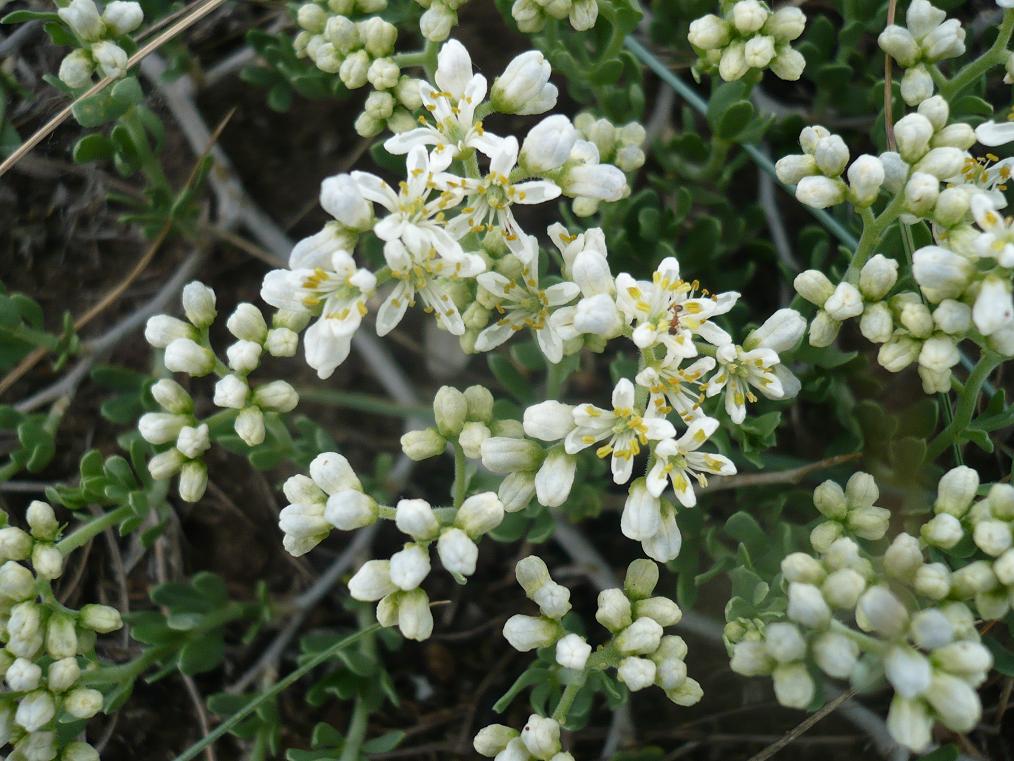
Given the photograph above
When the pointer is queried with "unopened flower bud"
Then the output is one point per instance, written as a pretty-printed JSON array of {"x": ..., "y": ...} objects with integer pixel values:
[
  {"x": 572, "y": 652},
  {"x": 526, "y": 633}
]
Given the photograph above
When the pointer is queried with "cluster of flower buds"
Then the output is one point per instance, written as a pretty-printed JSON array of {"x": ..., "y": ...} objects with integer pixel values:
[
  {"x": 817, "y": 171},
  {"x": 849, "y": 512},
  {"x": 330, "y": 497},
  {"x": 188, "y": 350},
  {"x": 96, "y": 37},
  {"x": 969, "y": 272},
  {"x": 912, "y": 625},
  {"x": 639, "y": 650},
  {"x": 439, "y": 18},
  {"x": 749, "y": 36},
  {"x": 394, "y": 583},
  {"x": 45, "y": 645},
  {"x": 461, "y": 417},
  {"x": 908, "y": 329},
  {"x": 538, "y": 740},
  {"x": 987, "y": 582},
  {"x": 621, "y": 146},
  {"x": 532, "y": 15},
  {"x": 360, "y": 51},
  {"x": 333, "y": 497},
  {"x": 928, "y": 38}
]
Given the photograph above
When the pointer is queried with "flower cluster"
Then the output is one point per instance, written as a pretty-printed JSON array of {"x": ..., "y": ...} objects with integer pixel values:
[
  {"x": 333, "y": 497},
  {"x": 749, "y": 36},
  {"x": 987, "y": 582},
  {"x": 346, "y": 38},
  {"x": 46, "y": 646},
  {"x": 188, "y": 350},
  {"x": 532, "y": 15},
  {"x": 622, "y": 146},
  {"x": 639, "y": 650},
  {"x": 395, "y": 582},
  {"x": 912, "y": 619},
  {"x": 928, "y": 37},
  {"x": 539, "y": 739},
  {"x": 930, "y": 151},
  {"x": 666, "y": 318},
  {"x": 96, "y": 35},
  {"x": 434, "y": 215},
  {"x": 439, "y": 18}
]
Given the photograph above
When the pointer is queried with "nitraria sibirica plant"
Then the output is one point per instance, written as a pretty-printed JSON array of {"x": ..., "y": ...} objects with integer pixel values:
[{"x": 744, "y": 337}]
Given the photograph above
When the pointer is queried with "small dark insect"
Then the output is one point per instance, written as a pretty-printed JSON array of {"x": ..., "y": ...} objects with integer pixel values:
[{"x": 674, "y": 323}]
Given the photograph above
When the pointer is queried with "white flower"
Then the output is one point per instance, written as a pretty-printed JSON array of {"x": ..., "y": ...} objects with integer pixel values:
[
  {"x": 423, "y": 269},
  {"x": 350, "y": 509},
  {"x": 572, "y": 652},
  {"x": 525, "y": 633},
  {"x": 738, "y": 370},
  {"x": 372, "y": 581},
  {"x": 415, "y": 517},
  {"x": 636, "y": 673},
  {"x": 640, "y": 638},
  {"x": 549, "y": 421},
  {"x": 408, "y": 567},
  {"x": 491, "y": 197},
  {"x": 667, "y": 310},
  {"x": 76, "y": 69},
  {"x": 675, "y": 388},
  {"x": 411, "y": 209},
  {"x": 910, "y": 723},
  {"x": 479, "y": 514},
  {"x": 992, "y": 134},
  {"x": 123, "y": 17},
  {"x": 524, "y": 86},
  {"x": 555, "y": 478},
  {"x": 586, "y": 177},
  {"x": 993, "y": 307},
  {"x": 679, "y": 461},
  {"x": 83, "y": 17},
  {"x": 452, "y": 108},
  {"x": 548, "y": 145},
  {"x": 908, "y": 671},
  {"x": 458, "y": 553},
  {"x": 624, "y": 429},
  {"x": 997, "y": 238},
  {"x": 785, "y": 642},
  {"x": 524, "y": 305},
  {"x": 541, "y": 737}
]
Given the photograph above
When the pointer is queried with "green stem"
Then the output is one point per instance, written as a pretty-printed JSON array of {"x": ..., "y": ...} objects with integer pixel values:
[
  {"x": 84, "y": 533},
  {"x": 355, "y": 400},
  {"x": 555, "y": 377},
  {"x": 966, "y": 404},
  {"x": 356, "y": 732},
  {"x": 568, "y": 697},
  {"x": 996, "y": 55},
  {"x": 865, "y": 641},
  {"x": 359, "y": 723},
  {"x": 700, "y": 105},
  {"x": 873, "y": 231},
  {"x": 151, "y": 167},
  {"x": 460, "y": 477},
  {"x": 275, "y": 689},
  {"x": 38, "y": 338}
]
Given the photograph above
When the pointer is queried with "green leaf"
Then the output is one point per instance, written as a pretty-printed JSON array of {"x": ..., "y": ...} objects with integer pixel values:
[
  {"x": 20, "y": 17},
  {"x": 94, "y": 147},
  {"x": 734, "y": 120},
  {"x": 384, "y": 743},
  {"x": 200, "y": 655}
]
